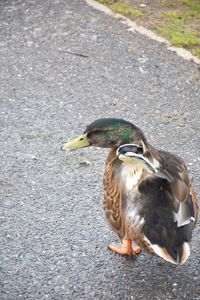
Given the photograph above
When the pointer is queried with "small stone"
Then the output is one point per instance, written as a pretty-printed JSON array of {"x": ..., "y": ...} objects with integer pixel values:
[
  {"x": 7, "y": 203},
  {"x": 142, "y": 5},
  {"x": 141, "y": 70},
  {"x": 34, "y": 157},
  {"x": 85, "y": 162}
]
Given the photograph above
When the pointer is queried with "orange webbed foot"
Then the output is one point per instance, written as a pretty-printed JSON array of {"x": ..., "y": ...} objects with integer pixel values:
[{"x": 124, "y": 248}]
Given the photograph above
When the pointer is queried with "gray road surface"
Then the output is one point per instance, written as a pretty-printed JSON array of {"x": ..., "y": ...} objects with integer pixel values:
[{"x": 53, "y": 231}]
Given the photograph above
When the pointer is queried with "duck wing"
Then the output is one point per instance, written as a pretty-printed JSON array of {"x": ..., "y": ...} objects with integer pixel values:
[{"x": 180, "y": 189}]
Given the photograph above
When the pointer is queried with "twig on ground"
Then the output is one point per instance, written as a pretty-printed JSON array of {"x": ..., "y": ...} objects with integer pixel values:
[{"x": 75, "y": 53}]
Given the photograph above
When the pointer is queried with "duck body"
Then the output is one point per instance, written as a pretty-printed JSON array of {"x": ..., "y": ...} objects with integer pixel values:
[
  {"x": 157, "y": 214},
  {"x": 148, "y": 197}
]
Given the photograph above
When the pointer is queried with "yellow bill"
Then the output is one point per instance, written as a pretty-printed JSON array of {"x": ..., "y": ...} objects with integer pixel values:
[{"x": 77, "y": 143}]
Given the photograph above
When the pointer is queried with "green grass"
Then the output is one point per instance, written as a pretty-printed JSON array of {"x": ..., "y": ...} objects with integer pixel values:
[
  {"x": 121, "y": 8},
  {"x": 175, "y": 17},
  {"x": 179, "y": 38},
  {"x": 191, "y": 4},
  {"x": 178, "y": 27},
  {"x": 181, "y": 17},
  {"x": 108, "y": 2},
  {"x": 196, "y": 52},
  {"x": 125, "y": 9}
]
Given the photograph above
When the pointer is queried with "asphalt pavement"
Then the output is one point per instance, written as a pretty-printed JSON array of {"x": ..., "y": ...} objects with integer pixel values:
[{"x": 63, "y": 65}]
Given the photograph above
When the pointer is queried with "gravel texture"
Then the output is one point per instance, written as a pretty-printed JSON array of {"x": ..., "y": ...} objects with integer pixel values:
[{"x": 53, "y": 232}]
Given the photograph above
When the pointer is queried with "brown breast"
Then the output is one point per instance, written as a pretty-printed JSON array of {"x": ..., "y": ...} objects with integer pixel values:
[{"x": 113, "y": 194}]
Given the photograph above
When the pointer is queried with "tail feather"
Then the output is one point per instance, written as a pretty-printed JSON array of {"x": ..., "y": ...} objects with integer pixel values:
[
  {"x": 176, "y": 256},
  {"x": 185, "y": 253}
]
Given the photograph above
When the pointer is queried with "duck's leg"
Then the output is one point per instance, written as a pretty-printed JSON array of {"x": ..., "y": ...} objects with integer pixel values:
[{"x": 125, "y": 247}]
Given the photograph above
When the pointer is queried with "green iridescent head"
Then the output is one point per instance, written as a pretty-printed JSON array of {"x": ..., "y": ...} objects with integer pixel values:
[{"x": 107, "y": 133}]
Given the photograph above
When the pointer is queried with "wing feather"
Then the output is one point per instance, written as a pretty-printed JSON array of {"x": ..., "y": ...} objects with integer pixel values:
[{"x": 181, "y": 188}]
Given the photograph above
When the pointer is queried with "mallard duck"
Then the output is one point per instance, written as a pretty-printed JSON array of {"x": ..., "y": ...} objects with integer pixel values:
[{"x": 148, "y": 196}]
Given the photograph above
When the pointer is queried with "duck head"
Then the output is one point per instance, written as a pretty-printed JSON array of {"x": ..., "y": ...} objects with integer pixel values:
[{"x": 106, "y": 133}]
